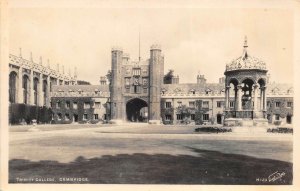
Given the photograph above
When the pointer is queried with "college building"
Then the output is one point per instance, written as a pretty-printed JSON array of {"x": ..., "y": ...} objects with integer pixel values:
[{"x": 138, "y": 91}]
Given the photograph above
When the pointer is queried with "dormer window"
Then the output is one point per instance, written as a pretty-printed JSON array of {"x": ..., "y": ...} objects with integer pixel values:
[
  {"x": 275, "y": 90},
  {"x": 207, "y": 91},
  {"x": 193, "y": 91}
]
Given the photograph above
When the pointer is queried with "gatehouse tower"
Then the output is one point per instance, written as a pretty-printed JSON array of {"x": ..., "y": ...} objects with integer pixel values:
[{"x": 135, "y": 87}]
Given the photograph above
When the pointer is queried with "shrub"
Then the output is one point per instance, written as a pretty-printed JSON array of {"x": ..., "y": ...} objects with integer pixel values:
[
  {"x": 20, "y": 113},
  {"x": 213, "y": 129}
]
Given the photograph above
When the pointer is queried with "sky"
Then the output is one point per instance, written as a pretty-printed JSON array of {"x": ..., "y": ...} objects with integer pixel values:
[{"x": 193, "y": 40}]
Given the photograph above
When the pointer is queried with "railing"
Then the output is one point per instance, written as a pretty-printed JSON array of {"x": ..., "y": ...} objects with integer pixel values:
[{"x": 245, "y": 114}]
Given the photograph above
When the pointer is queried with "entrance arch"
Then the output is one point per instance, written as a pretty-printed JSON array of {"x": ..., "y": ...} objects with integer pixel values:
[{"x": 137, "y": 110}]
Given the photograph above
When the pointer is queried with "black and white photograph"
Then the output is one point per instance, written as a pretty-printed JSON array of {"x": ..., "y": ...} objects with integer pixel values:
[{"x": 148, "y": 93}]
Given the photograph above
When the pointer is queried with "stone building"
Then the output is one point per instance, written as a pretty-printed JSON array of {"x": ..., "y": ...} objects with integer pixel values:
[
  {"x": 79, "y": 103},
  {"x": 30, "y": 84},
  {"x": 139, "y": 84},
  {"x": 135, "y": 85},
  {"x": 136, "y": 93}
]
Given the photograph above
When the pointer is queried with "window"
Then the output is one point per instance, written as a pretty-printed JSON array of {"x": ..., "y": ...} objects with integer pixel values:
[
  {"x": 179, "y": 117},
  {"x": 96, "y": 116},
  {"x": 58, "y": 104},
  {"x": 231, "y": 104},
  {"x": 288, "y": 119},
  {"x": 205, "y": 104},
  {"x": 268, "y": 104},
  {"x": 136, "y": 89},
  {"x": 74, "y": 105},
  {"x": 193, "y": 117},
  {"x": 87, "y": 105},
  {"x": 127, "y": 90},
  {"x": 179, "y": 103},
  {"x": 67, "y": 104},
  {"x": 67, "y": 117},
  {"x": 136, "y": 71},
  {"x": 191, "y": 104},
  {"x": 219, "y": 104},
  {"x": 168, "y": 105},
  {"x": 168, "y": 117},
  {"x": 59, "y": 116},
  {"x": 277, "y": 117},
  {"x": 277, "y": 104},
  {"x": 205, "y": 117},
  {"x": 98, "y": 105},
  {"x": 289, "y": 104},
  {"x": 85, "y": 116}
]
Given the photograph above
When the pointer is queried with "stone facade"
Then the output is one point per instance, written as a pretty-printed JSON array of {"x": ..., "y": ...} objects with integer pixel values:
[
  {"x": 31, "y": 83},
  {"x": 79, "y": 104},
  {"x": 136, "y": 84},
  {"x": 136, "y": 93}
]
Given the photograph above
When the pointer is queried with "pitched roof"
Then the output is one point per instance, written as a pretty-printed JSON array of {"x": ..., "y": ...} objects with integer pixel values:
[
  {"x": 187, "y": 87},
  {"x": 84, "y": 88}
]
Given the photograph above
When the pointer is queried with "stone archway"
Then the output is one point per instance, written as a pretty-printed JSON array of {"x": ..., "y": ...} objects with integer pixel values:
[{"x": 137, "y": 110}]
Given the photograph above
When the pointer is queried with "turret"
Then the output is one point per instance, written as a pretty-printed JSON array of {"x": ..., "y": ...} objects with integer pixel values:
[
  {"x": 155, "y": 81},
  {"x": 116, "y": 85}
]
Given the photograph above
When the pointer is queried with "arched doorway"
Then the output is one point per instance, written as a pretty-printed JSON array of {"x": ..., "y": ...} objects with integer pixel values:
[
  {"x": 137, "y": 110},
  {"x": 12, "y": 87}
]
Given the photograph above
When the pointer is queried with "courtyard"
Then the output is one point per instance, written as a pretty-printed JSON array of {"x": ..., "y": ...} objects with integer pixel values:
[{"x": 139, "y": 153}]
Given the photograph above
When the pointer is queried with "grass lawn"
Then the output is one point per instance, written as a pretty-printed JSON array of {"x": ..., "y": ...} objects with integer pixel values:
[{"x": 126, "y": 155}]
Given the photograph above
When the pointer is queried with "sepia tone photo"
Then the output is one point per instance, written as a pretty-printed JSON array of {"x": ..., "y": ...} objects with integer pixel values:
[{"x": 137, "y": 93}]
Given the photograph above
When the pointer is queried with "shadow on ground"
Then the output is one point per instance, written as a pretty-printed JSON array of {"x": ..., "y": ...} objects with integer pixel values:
[{"x": 210, "y": 167}]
